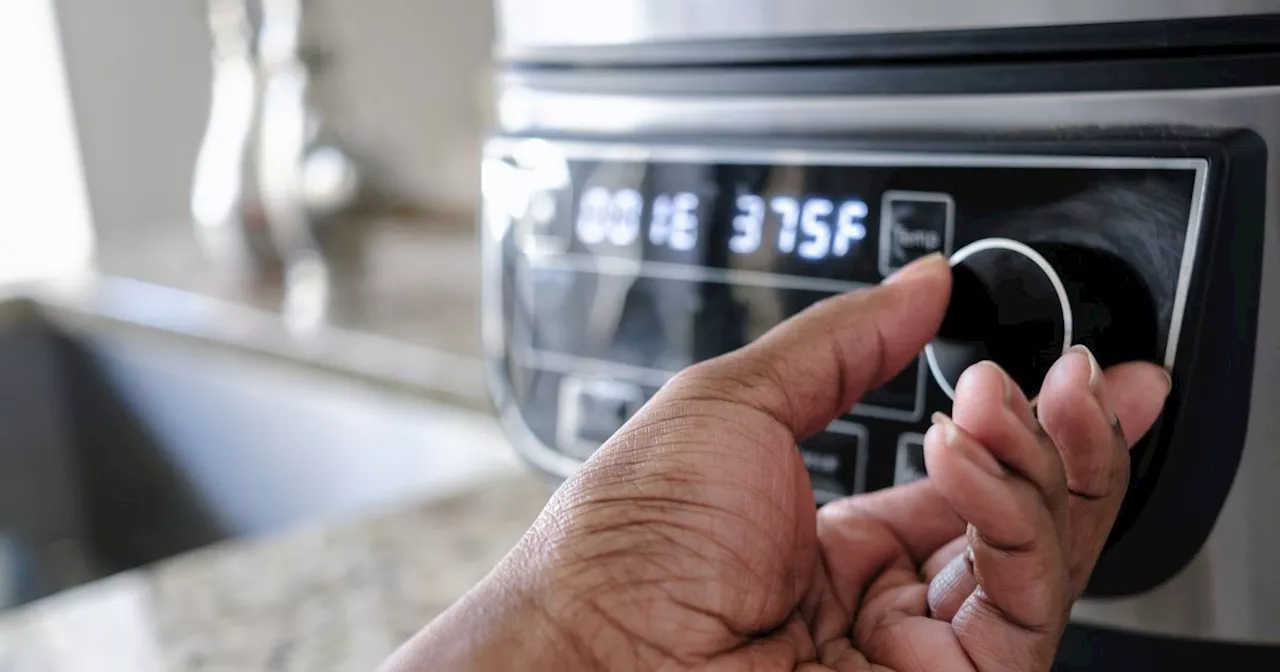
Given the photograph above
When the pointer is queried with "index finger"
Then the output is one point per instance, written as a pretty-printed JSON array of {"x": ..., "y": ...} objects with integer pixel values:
[{"x": 812, "y": 368}]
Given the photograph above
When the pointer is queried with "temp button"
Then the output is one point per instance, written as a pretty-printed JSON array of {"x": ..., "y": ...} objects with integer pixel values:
[{"x": 914, "y": 224}]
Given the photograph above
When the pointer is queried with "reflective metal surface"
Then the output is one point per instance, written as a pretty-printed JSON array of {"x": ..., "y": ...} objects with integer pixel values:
[
  {"x": 526, "y": 24},
  {"x": 276, "y": 194},
  {"x": 1231, "y": 590},
  {"x": 226, "y": 199}
]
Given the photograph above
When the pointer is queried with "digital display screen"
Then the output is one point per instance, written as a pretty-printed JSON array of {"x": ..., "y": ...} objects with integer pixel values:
[
  {"x": 814, "y": 228},
  {"x": 795, "y": 220}
]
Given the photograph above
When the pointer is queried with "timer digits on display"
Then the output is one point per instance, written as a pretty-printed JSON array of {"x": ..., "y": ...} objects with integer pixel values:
[
  {"x": 675, "y": 221},
  {"x": 814, "y": 228},
  {"x": 612, "y": 216}
]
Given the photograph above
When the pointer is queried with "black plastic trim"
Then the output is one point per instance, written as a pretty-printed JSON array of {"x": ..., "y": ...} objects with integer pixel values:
[
  {"x": 1182, "y": 477},
  {"x": 1031, "y": 77},
  {"x": 1134, "y": 37},
  {"x": 1093, "y": 649}
]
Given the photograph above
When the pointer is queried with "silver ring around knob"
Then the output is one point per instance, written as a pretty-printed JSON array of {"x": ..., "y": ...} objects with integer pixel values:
[{"x": 1036, "y": 258}]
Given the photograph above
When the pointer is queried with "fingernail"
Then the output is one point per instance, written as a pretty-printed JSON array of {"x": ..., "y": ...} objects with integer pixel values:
[
  {"x": 916, "y": 268},
  {"x": 1026, "y": 415},
  {"x": 1006, "y": 379},
  {"x": 1095, "y": 371},
  {"x": 953, "y": 440},
  {"x": 1096, "y": 382},
  {"x": 1168, "y": 380}
]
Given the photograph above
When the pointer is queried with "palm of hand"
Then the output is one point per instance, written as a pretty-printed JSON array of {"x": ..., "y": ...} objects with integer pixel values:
[
  {"x": 682, "y": 562},
  {"x": 691, "y": 540}
]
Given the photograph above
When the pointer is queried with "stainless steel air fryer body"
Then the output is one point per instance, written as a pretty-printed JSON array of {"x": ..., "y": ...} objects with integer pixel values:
[{"x": 1172, "y": 106}]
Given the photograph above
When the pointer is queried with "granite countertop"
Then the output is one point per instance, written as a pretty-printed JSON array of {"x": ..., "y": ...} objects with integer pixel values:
[{"x": 331, "y": 597}]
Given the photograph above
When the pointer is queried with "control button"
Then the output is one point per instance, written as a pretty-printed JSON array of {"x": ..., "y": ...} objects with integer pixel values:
[
  {"x": 542, "y": 211},
  {"x": 836, "y": 460},
  {"x": 908, "y": 465},
  {"x": 914, "y": 224},
  {"x": 591, "y": 410},
  {"x": 1008, "y": 305},
  {"x": 542, "y": 227},
  {"x": 899, "y": 399}
]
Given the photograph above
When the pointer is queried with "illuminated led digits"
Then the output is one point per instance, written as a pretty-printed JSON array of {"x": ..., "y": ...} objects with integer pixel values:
[
  {"x": 748, "y": 226},
  {"x": 675, "y": 221},
  {"x": 817, "y": 230},
  {"x": 850, "y": 226},
  {"x": 593, "y": 216},
  {"x": 684, "y": 222},
  {"x": 814, "y": 228},
  {"x": 624, "y": 217},
  {"x": 660, "y": 224},
  {"x": 609, "y": 216},
  {"x": 789, "y": 212}
]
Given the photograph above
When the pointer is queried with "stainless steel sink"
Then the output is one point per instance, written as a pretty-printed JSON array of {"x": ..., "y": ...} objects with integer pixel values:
[{"x": 123, "y": 446}]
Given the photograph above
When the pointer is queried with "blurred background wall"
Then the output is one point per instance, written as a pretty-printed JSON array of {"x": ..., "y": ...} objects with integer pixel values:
[
  {"x": 412, "y": 76},
  {"x": 44, "y": 212}
]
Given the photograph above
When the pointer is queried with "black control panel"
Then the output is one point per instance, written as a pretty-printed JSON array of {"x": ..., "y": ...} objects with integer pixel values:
[
  {"x": 611, "y": 266},
  {"x": 631, "y": 264}
]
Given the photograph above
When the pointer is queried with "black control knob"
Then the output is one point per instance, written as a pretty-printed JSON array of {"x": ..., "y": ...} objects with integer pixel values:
[
  {"x": 1022, "y": 305},
  {"x": 1008, "y": 305}
]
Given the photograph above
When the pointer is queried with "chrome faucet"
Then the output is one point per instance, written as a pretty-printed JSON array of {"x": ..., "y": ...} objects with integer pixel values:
[{"x": 277, "y": 197}]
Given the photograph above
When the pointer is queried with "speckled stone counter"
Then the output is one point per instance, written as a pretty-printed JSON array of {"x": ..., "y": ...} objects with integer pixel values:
[{"x": 334, "y": 597}]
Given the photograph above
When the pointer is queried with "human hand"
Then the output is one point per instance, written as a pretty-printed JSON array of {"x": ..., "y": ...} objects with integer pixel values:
[{"x": 690, "y": 540}]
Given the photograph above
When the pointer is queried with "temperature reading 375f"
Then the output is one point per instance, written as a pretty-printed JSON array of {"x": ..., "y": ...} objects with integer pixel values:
[{"x": 813, "y": 228}]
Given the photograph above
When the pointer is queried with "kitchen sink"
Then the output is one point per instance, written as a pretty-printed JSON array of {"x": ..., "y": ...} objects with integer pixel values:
[{"x": 120, "y": 447}]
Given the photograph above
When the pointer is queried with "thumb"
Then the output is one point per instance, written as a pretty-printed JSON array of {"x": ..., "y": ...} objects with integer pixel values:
[{"x": 814, "y": 367}]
